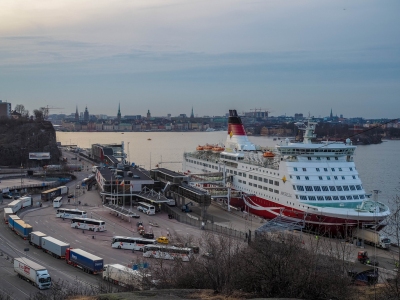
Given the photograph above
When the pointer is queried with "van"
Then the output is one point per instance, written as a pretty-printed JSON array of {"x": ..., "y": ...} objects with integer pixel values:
[
  {"x": 57, "y": 202},
  {"x": 162, "y": 240}
]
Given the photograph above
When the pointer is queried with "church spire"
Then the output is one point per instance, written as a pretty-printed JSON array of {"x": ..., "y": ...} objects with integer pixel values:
[
  {"x": 76, "y": 114},
  {"x": 119, "y": 112},
  {"x": 192, "y": 114}
]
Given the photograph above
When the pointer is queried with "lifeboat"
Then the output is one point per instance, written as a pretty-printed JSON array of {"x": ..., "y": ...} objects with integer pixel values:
[
  {"x": 268, "y": 154},
  {"x": 208, "y": 147},
  {"x": 199, "y": 148},
  {"x": 218, "y": 149}
]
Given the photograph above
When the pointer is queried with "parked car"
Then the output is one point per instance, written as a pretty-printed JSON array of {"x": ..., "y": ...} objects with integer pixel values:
[
  {"x": 70, "y": 196},
  {"x": 7, "y": 196},
  {"x": 148, "y": 235},
  {"x": 136, "y": 216}
]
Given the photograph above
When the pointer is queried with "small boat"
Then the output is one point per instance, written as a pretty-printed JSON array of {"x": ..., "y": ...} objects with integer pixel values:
[
  {"x": 218, "y": 149},
  {"x": 199, "y": 148},
  {"x": 208, "y": 147},
  {"x": 149, "y": 139},
  {"x": 268, "y": 154}
]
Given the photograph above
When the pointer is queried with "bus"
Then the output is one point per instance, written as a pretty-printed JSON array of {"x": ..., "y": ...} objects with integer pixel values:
[
  {"x": 131, "y": 243},
  {"x": 88, "y": 224},
  {"x": 57, "y": 202},
  {"x": 70, "y": 213},
  {"x": 167, "y": 252},
  {"x": 146, "y": 208}
]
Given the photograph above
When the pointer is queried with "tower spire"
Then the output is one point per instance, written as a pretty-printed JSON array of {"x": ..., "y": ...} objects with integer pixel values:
[
  {"x": 192, "y": 114},
  {"x": 119, "y": 112}
]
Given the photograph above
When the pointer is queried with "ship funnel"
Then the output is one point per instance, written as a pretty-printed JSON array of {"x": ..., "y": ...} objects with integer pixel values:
[{"x": 237, "y": 138}]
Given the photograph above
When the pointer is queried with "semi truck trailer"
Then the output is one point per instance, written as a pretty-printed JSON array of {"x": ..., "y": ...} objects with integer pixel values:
[
  {"x": 54, "y": 247},
  {"x": 22, "y": 229},
  {"x": 89, "y": 263},
  {"x": 35, "y": 238},
  {"x": 15, "y": 205},
  {"x": 372, "y": 237},
  {"x": 25, "y": 201},
  {"x": 7, "y": 212},
  {"x": 11, "y": 221},
  {"x": 124, "y": 276},
  {"x": 32, "y": 272}
]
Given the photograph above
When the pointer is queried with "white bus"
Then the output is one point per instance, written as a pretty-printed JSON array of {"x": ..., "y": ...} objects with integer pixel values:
[
  {"x": 57, "y": 202},
  {"x": 146, "y": 208},
  {"x": 167, "y": 252},
  {"x": 131, "y": 243},
  {"x": 88, "y": 224},
  {"x": 68, "y": 213}
]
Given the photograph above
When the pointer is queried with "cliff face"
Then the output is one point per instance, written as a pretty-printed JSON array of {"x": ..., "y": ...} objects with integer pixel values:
[{"x": 19, "y": 137}]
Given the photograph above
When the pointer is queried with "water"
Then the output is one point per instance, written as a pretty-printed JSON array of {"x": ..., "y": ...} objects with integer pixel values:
[{"x": 378, "y": 165}]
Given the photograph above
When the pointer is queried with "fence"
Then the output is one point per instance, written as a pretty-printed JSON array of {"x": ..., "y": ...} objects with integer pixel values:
[{"x": 194, "y": 221}]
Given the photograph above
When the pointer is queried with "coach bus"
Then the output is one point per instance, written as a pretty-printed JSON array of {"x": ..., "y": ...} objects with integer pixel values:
[
  {"x": 131, "y": 243},
  {"x": 70, "y": 213},
  {"x": 146, "y": 208},
  {"x": 88, "y": 224},
  {"x": 167, "y": 252}
]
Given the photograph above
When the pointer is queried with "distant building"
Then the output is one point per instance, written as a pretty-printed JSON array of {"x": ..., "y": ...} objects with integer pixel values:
[
  {"x": 5, "y": 109},
  {"x": 119, "y": 112},
  {"x": 148, "y": 114},
  {"x": 298, "y": 116},
  {"x": 76, "y": 114},
  {"x": 86, "y": 115}
]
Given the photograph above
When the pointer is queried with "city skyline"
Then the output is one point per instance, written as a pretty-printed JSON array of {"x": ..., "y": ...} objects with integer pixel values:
[{"x": 169, "y": 56}]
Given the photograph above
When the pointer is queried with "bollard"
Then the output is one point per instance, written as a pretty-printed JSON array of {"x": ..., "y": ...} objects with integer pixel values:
[{"x": 93, "y": 237}]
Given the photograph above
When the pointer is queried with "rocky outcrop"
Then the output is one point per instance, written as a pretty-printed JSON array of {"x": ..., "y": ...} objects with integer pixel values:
[{"x": 20, "y": 137}]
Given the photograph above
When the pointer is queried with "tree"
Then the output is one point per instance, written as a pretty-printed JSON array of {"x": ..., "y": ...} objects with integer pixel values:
[{"x": 38, "y": 114}]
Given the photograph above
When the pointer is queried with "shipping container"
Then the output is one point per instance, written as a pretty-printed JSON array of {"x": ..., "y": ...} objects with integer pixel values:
[
  {"x": 25, "y": 201},
  {"x": 22, "y": 229},
  {"x": 11, "y": 221},
  {"x": 15, "y": 205},
  {"x": 7, "y": 212},
  {"x": 35, "y": 238},
  {"x": 54, "y": 247}
]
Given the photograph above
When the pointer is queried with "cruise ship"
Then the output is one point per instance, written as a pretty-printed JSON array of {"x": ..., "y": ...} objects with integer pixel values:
[{"x": 313, "y": 183}]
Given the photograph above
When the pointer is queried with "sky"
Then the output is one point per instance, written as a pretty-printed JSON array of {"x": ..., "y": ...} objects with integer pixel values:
[{"x": 167, "y": 56}]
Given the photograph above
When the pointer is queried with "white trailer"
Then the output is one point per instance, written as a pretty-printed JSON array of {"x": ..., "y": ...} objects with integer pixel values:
[
  {"x": 15, "y": 205},
  {"x": 64, "y": 190},
  {"x": 372, "y": 237},
  {"x": 35, "y": 238},
  {"x": 7, "y": 211},
  {"x": 32, "y": 272},
  {"x": 54, "y": 247},
  {"x": 124, "y": 276},
  {"x": 25, "y": 201}
]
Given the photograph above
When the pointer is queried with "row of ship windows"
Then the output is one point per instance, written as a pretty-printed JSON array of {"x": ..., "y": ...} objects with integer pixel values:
[
  {"x": 330, "y": 198},
  {"x": 325, "y": 169},
  {"x": 305, "y": 151},
  {"x": 260, "y": 186},
  {"x": 325, "y": 188},
  {"x": 327, "y": 177}
]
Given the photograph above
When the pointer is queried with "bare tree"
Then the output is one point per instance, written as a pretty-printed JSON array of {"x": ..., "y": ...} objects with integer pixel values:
[{"x": 38, "y": 114}]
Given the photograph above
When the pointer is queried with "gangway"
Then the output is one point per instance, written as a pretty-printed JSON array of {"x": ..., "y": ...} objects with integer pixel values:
[
  {"x": 206, "y": 178},
  {"x": 152, "y": 196}
]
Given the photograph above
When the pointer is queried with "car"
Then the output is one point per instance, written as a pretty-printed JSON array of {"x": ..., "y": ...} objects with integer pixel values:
[
  {"x": 136, "y": 216},
  {"x": 70, "y": 196},
  {"x": 7, "y": 196},
  {"x": 78, "y": 187},
  {"x": 162, "y": 240},
  {"x": 208, "y": 255}
]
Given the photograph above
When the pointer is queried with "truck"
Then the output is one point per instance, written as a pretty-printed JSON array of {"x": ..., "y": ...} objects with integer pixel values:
[
  {"x": 89, "y": 263},
  {"x": 32, "y": 272},
  {"x": 54, "y": 247},
  {"x": 25, "y": 201},
  {"x": 15, "y": 205},
  {"x": 35, "y": 238},
  {"x": 22, "y": 229},
  {"x": 372, "y": 237},
  {"x": 7, "y": 212},
  {"x": 124, "y": 276},
  {"x": 11, "y": 221},
  {"x": 53, "y": 193}
]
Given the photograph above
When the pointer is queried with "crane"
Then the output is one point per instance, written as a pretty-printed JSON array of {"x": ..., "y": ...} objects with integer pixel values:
[{"x": 46, "y": 111}]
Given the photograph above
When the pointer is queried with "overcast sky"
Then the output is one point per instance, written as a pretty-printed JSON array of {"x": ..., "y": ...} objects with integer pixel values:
[{"x": 213, "y": 55}]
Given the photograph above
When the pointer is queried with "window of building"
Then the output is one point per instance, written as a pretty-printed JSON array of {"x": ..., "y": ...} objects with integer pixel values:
[
  {"x": 355, "y": 197},
  {"x": 276, "y": 191},
  {"x": 303, "y": 197},
  {"x": 244, "y": 175},
  {"x": 244, "y": 182},
  {"x": 265, "y": 180},
  {"x": 317, "y": 169},
  {"x": 332, "y": 188},
  {"x": 325, "y": 188},
  {"x": 335, "y": 177},
  {"x": 317, "y": 188},
  {"x": 318, "y": 158},
  {"x": 340, "y": 169},
  {"x": 352, "y": 188},
  {"x": 335, "y": 198},
  {"x": 271, "y": 190},
  {"x": 358, "y": 187},
  {"x": 351, "y": 169},
  {"x": 250, "y": 176},
  {"x": 298, "y": 177},
  {"x": 326, "y": 169},
  {"x": 304, "y": 169},
  {"x": 345, "y": 188},
  {"x": 309, "y": 188},
  {"x": 312, "y": 198},
  {"x": 349, "y": 197},
  {"x": 250, "y": 184},
  {"x": 343, "y": 177},
  {"x": 362, "y": 196},
  {"x": 333, "y": 169},
  {"x": 260, "y": 179},
  {"x": 328, "y": 177},
  {"x": 265, "y": 188},
  {"x": 300, "y": 188},
  {"x": 295, "y": 169},
  {"x": 342, "y": 198},
  {"x": 328, "y": 198},
  {"x": 336, "y": 158},
  {"x": 354, "y": 177},
  {"x": 270, "y": 181},
  {"x": 294, "y": 187},
  {"x": 339, "y": 188},
  {"x": 307, "y": 178},
  {"x": 276, "y": 183},
  {"x": 260, "y": 186},
  {"x": 309, "y": 158}
]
